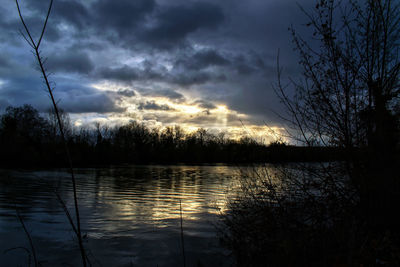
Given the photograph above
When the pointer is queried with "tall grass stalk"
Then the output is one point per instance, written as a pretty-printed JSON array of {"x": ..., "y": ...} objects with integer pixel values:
[
  {"x": 29, "y": 238},
  {"x": 35, "y": 45}
]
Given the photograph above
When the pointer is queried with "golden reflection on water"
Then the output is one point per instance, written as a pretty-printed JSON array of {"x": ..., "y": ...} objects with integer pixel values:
[
  {"x": 150, "y": 194},
  {"x": 128, "y": 213},
  {"x": 124, "y": 209}
]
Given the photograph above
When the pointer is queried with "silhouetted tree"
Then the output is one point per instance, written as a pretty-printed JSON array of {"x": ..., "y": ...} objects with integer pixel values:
[
  {"x": 332, "y": 212},
  {"x": 53, "y": 124},
  {"x": 22, "y": 133},
  {"x": 347, "y": 99}
]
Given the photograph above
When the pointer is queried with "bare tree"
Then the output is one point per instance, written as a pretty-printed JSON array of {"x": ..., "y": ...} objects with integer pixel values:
[
  {"x": 53, "y": 123},
  {"x": 351, "y": 71},
  {"x": 35, "y": 45},
  {"x": 349, "y": 93}
]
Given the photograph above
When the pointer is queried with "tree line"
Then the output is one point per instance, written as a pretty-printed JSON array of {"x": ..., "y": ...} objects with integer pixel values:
[{"x": 28, "y": 138}]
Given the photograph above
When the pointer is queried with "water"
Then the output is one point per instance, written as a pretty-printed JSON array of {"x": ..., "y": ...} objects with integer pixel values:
[{"x": 130, "y": 215}]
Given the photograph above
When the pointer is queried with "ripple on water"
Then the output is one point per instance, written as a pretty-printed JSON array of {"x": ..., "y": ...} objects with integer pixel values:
[{"x": 129, "y": 213}]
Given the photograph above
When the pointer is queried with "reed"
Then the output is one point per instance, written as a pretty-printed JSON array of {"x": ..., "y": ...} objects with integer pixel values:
[{"x": 35, "y": 45}]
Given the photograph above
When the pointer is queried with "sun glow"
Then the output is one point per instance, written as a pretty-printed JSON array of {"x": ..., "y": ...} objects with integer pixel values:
[
  {"x": 105, "y": 86},
  {"x": 222, "y": 109},
  {"x": 189, "y": 114},
  {"x": 189, "y": 109}
]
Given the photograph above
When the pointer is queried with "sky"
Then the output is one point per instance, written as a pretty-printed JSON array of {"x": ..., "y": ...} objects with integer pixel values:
[{"x": 209, "y": 64}]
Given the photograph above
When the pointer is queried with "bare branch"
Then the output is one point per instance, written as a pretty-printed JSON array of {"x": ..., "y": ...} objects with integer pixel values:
[
  {"x": 45, "y": 23},
  {"x": 30, "y": 42}
]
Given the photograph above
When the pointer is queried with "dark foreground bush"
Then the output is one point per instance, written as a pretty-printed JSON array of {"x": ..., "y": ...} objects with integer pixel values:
[{"x": 299, "y": 215}]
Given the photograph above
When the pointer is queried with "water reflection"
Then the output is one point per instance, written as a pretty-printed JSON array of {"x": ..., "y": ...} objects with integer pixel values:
[{"x": 131, "y": 214}]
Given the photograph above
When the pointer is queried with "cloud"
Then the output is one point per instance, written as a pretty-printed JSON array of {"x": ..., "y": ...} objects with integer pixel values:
[
  {"x": 189, "y": 51},
  {"x": 23, "y": 90},
  {"x": 97, "y": 103},
  {"x": 242, "y": 65},
  {"x": 126, "y": 92},
  {"x": 102, "y": 18},
  {"x": 174, "y": 23},
  {"x": 68, "y": 11},
  {"x": 152, "y": 105},
  {"x": 71, "y": 12},
  {"x": 80, "y": 98},
  {"x": 4, "y": 61},
  {"x": 201, "y": 60},
  {"x": 35, "y": 25},
  {"x": 196, "y": 78},
  {"x": 124, "y": 73},
  {"x": 168, "y": 93},
  {"x": 122, "y": 16},
  {"x": 205, "y": 104},
  {"x": 128, "y": 74},
  {"x": 182, "y": 76},
  {"x": 201, "y": 119},
  {"x": 70, "y": 61},
  {"x": 72, "y": 96}
]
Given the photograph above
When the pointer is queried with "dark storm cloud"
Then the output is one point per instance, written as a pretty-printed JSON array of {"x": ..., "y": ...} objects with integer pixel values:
[
  {"x": 152, "y": 105},
  {"x": 170, "y": 94},
  {"x": 210, "y": 118},
  {"x": 209, "y": 58},
  {"x": 224, "y": 51},
  {"x": 121, "y": 16},
  {"x": 203, "y": 119},
  {"x": 69, "y": 11},
  {"x": 123, "y": 74},
  {"x": 11, "y": 28},
  {"x": 242, "y": 65},
  {"x": 98, "y": 103},
  {"x": 249, "y": 63},
  {"x": 39, "y": 7},
  {"x": 205, "y": 104},
  {"x": 4, "y": 61},
  {"x": 126, "y": 92},
  {"x": 211, "y": 66},
  {"x": 244, "y": 69},
  {"x": 167, "y": 93},
  {"x": 88, "y": 46},
  {"x": 174, "y": 23},
  {"x": 256, "y": 99},
  {"x": 128, "y": 74},
  {"x": 70, "y": 61},
  {"x": 25, "y": 90},
  {"x": 186, "y": 79},
  {"x": 72, "y": 96},
  {"x": 182, "y": 77},
  {"x": 77, "y": 98},
  {"x": 114, "y": 20},
  {"x": 73, "y": 12},
  {"x": 3, "y": 18},
  {"x": 201, "y": 60}
]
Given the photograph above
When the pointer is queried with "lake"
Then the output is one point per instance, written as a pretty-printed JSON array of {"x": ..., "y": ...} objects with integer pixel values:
[{"x": 130, "y": 215}]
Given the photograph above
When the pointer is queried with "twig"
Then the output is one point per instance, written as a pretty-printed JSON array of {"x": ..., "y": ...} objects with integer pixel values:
[{"x": 28, "y": 236}]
